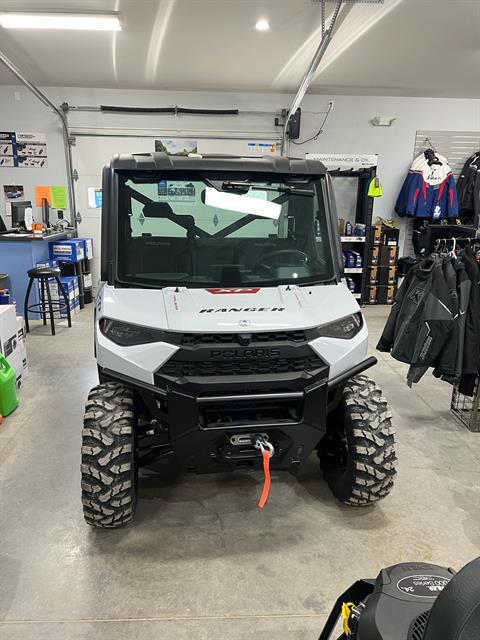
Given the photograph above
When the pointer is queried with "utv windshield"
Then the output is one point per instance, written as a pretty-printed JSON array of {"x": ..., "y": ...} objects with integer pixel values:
[{"x": 221, "y": 231}]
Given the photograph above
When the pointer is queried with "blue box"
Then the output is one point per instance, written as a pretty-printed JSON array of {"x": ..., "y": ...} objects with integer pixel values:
[
  {"x": 87, "y": 247},
  {"x": 67, "y": 250},
  {"x": 47, "y": 263}
]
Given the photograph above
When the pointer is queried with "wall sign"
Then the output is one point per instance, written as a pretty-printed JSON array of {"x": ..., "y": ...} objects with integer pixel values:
[
  {"x": 11, "y": 193},
  {"x": 8, "y": 149},
  {"x": 24, "y": 150},
  {"x": 345, "y": 160}
]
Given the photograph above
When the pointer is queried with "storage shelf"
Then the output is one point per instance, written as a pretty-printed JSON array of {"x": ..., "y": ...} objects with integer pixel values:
[
  {"x": 353, "y": 269},
  {"x": 352, "y": 238}
]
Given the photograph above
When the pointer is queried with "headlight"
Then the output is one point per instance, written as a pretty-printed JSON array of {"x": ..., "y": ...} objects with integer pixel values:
[
  {"x": 345, "y": 328},
  {"x": 127, "y": 335}
]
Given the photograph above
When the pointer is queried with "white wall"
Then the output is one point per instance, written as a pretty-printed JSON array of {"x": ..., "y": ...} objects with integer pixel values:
[{"x": 347, "y": 130}]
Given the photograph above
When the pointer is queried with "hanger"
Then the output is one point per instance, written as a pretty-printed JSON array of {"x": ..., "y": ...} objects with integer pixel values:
[
  {"x": 453, "y": 251},
  {"x": 431, "y": 154}
]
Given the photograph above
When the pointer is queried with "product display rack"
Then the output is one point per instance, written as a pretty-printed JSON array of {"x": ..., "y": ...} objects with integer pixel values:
[
  {"x": 383, "y": 272},
  {"x": 363, "y": 215}
]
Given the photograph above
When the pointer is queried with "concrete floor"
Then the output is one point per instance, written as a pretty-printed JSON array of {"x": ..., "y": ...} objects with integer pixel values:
[{"x": 201, "y": 561}]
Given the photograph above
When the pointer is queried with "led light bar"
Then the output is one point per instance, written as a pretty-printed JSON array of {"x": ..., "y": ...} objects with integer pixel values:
[{"x": 72, "y": 21}]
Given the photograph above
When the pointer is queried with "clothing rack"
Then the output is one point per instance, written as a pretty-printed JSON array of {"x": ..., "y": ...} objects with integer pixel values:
[
  {"x": 442, "y": 244},
  {"x": 435, "y": 323},
  {"x": 436, "y": 232},
  {"x": 466, "y": 409}
]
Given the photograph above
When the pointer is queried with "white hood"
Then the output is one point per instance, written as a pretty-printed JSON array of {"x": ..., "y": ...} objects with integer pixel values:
[
  {"x": 224, "y": 310},
  {"x": 227, "y": 310}
]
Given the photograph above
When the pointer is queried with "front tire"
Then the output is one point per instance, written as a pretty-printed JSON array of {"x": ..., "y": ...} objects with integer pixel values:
[
  {"x": 357, "y": 454},
  {"x": 109, "y": 470}
]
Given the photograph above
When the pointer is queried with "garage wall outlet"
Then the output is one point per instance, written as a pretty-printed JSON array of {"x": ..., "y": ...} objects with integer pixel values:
[{"x": 383, "y": 121}]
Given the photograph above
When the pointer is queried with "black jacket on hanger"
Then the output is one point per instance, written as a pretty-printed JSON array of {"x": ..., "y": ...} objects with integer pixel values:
[
  {"x": 450, "y": 361},
  {"x": 468, "y": 185},
  {"x": 471, "y": 350},
  {"x": 421, "y": 319}
]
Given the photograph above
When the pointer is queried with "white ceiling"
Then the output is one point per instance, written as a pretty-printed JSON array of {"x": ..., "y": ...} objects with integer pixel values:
[{"x": 403, "y": 47}]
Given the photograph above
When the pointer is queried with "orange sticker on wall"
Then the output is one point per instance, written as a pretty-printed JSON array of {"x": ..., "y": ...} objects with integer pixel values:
[{"x": 41, "y": 193}]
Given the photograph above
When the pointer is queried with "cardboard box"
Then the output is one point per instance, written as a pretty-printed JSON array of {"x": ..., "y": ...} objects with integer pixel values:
[
  {"x": 390, "y": 236},
  {"x": 67, "y": 250},
  {"x": 387, "y": 276},
  {"x": 21, "y": 332},
  {"x": 373, "y": 276},
  {"x": 388, "y": 256},
  {"x": 8, "y": 329},
  {"x": 386, "y": 295},
  {"x": 87, "y": 247},
  {"x": 47, "y": 263},
  {"x": 375, "y": 255},
  {"x": 19, "y": 363},
  {"x": 372, "y": 295},
  {"x": 70, "y": 287},
  {"x": 376, "y": 234},
  {"x": 69, "y": 284}
]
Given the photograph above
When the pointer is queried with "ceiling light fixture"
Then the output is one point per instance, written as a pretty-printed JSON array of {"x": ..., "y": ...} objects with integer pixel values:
[
  {"x": 262, "y": 24},
  {"x": 73, "y": 21}
]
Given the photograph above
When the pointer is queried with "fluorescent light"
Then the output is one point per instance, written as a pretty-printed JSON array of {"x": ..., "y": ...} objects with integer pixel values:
[
  {"x": 262, "y": 24},
  {"x": 81, "y": 21}
]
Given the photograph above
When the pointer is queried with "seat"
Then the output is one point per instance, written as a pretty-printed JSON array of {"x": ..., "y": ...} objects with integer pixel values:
[
  {"x": 44, "y": 275},
  {"x": 456, "y": 612},
  {"x": 43, "y": 272}
]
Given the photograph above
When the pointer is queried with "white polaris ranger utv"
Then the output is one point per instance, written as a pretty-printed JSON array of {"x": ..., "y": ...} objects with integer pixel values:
[{"x": 223, "y": 328}]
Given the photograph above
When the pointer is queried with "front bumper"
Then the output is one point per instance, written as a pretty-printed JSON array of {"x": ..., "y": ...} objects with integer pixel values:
[{"x": 200, "y": 426}]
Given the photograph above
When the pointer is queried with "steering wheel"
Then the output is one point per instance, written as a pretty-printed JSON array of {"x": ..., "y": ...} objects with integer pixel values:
[{"x": 268, "y": 257}]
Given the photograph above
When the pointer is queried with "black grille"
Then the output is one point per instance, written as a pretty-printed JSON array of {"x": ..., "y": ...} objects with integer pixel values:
[
  {"x": 178, "y": 368},
  {"x": 193, "y": 339},
  {"x": 417, "y": 629}
]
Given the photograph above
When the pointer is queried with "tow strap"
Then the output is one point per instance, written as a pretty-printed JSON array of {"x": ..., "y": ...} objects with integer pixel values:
[{"x": 267, "y": 452}]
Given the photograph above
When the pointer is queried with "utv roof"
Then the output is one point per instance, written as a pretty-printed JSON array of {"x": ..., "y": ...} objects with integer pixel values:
[{"x": 267, "y": 164}]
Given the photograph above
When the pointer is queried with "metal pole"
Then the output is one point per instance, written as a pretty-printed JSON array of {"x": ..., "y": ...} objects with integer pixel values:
[
  {"x": 307, "y": 79},
  {"x": 66, "y": 143}
]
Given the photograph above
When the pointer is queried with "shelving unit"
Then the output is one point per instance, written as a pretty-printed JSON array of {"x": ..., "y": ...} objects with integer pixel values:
[
  {"x": 363, "y": 168},
  {"x": 383, "y": 273},
  {"x": 363, "y": 215}
]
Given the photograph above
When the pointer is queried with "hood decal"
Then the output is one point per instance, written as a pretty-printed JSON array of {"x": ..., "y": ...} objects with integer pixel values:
[{"x": 239, "y": 290}]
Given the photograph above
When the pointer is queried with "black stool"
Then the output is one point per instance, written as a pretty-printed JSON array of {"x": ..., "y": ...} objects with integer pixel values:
[{"x": 43, "y": 274}]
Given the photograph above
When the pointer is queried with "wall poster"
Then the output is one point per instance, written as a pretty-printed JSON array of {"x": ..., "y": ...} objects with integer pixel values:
[{"x": 24, "y": 150}]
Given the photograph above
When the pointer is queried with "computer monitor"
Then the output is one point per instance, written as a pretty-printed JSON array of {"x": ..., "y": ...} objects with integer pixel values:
[{"x": 18, "y": 213}]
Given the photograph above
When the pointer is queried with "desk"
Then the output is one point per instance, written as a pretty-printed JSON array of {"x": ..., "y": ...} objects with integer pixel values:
[{"x": 19, "y": 253}]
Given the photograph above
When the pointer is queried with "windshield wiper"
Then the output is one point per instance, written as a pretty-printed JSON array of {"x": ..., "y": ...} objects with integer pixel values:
[{"x": 245, "y": 187}]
